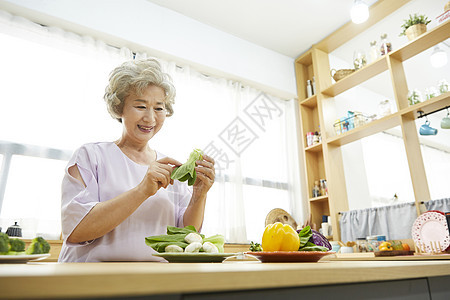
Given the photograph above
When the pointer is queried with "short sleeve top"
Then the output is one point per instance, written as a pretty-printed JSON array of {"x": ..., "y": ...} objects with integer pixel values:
[{"x": 107, "y": 173}]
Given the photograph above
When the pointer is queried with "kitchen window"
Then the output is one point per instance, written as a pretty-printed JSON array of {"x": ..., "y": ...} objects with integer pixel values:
[{"x": 53, "y": 84}]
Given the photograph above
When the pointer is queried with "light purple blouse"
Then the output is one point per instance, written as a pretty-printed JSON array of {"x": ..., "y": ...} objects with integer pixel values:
[{"x": 107, "y": 173}]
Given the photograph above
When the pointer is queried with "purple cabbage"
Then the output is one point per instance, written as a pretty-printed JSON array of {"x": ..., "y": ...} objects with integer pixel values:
[{"x": 320, "y": 240}]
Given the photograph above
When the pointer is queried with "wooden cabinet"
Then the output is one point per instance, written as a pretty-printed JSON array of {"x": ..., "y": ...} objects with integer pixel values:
[{"x": 324, "y": 159}]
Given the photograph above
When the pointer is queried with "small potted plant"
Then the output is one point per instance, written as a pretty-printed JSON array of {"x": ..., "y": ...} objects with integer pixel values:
[
  {"x": 414, "y": 97},
  {"x": 415, "y": 26}
]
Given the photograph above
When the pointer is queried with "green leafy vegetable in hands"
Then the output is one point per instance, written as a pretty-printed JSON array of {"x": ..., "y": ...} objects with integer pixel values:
[
  {"x": 305, "y": 244},
  {"x": 187, "y": 170}
]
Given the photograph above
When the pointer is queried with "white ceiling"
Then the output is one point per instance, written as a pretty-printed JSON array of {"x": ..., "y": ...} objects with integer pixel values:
[{"x": 288, "y": 27}]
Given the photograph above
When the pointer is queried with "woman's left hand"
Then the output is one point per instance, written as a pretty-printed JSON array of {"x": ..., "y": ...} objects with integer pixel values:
[{"x": 205, "y": 176}]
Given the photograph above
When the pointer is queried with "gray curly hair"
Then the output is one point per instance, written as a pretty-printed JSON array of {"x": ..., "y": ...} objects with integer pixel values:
[{"x": 133, "y": 77}]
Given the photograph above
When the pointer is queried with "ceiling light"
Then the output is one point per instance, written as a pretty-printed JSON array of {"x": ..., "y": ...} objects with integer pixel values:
[
  {"x": 438, "y": 58},
  {"x": 359, "y": 12}
]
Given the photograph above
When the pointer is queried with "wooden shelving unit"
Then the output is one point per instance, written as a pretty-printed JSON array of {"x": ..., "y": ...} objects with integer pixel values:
[{"x": 324, "y": 160}]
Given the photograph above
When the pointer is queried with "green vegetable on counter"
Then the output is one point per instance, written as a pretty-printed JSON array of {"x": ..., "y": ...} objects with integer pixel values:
[
  {"x": 177, "y": 236},
  {"x": 187, "y": 170},
  {"x": 305, "y": 244},
  {"x": 4, "y": 243},
  {"x": 255, "y": 247},
  {"x": 15, "y": 246},
  {"x": 218, "y": 240},
  {"x": 38, "y": 246}
]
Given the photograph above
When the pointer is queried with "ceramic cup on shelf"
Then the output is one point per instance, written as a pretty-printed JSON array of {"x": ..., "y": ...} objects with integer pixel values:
[
  {"x": 445, "y": 123},
  {"x": 426, "y": 129}
]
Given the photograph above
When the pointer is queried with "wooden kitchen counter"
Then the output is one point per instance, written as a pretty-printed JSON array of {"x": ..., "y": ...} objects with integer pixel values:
[{"x": 198, "y": 280}]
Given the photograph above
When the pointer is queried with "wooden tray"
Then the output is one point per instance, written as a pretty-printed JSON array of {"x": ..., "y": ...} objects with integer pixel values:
[
  {"x": 370, "y": 256},
  {"x": 393, "y": 253}
]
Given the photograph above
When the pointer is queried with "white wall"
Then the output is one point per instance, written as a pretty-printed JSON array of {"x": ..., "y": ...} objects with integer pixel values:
[{"x": 143, "y": 26}]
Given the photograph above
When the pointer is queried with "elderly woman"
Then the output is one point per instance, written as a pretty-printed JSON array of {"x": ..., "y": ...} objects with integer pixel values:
[{"x": 114, "y": 194}]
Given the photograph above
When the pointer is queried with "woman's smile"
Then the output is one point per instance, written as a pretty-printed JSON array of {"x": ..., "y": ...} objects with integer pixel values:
[{"x": 145, "y": 129}]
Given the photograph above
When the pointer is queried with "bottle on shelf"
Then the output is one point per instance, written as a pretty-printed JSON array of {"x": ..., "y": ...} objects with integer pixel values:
[
  {"x": 325, "y": 226},
  {"x": 313, "y": 86},
  {"x": 323, "y": 187},
  {"x": 316, "y": 139},
  {"x": 320, "y": 135},
  {"x": 385, "y": 45},
  {"x": 309, "y": 138},
  {"x": 316, "y": 190},
  {"x": 309, "y": 91},
  {"x": 374, "y": 52}
]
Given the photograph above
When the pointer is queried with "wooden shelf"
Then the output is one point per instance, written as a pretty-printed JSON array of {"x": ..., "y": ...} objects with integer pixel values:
[
  {"x": 310, "y": 102},
  {"x": 423, "y": 42},
  {"x": 314, "y": 148},
  {"x": 305, "y": 59},
  {"x": 324, "y": 160},
  {"x": 390, "y": 121},
  {"x": 357, "y": 77},
  {"x": 366, "y": 130},
  {"x": 427, "y": 106},
  {"x": 319, "y": 199}
]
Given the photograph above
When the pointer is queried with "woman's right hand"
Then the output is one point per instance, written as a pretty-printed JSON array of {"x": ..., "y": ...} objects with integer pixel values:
[{"x": 158, "y": 175}]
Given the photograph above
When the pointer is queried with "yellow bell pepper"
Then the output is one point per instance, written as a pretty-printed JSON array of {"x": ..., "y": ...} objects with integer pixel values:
[
  {"x": 280, "y": 237},
  {"x": 385, "y": 246}
]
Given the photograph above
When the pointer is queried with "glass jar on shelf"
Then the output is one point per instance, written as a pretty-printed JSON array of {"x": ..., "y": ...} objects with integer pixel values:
[
  {"x": 384, "y": 108},
  {"x": 359, "y": 59},
  {"x": 316, "y": 189},
  {"x": 385, "y": 45},
  {"x": 362, "y": 245}
]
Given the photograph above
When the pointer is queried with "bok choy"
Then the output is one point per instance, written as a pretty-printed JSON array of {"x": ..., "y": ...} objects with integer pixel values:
[{"x": 187, "y": 170}]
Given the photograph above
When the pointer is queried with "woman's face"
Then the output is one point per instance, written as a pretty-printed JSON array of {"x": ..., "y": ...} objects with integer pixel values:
[{"x": 143, "y": 116}]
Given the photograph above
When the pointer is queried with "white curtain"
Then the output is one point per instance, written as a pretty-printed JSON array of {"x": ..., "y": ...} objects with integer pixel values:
[
  {"x": 394, "y": 222},
  {"x": 52, "y": 87},
  {"x": 438, "y": 204}
]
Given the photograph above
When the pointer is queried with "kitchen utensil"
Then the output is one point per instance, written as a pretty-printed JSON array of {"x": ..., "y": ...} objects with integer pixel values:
[
  {"x": 428, "y": 228},
  {"x": 346, "y": 249},
  {"x": 435, "y": 247},
  {"x": 14, "y": 230},
  {"x": 282, "y": 216}
]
